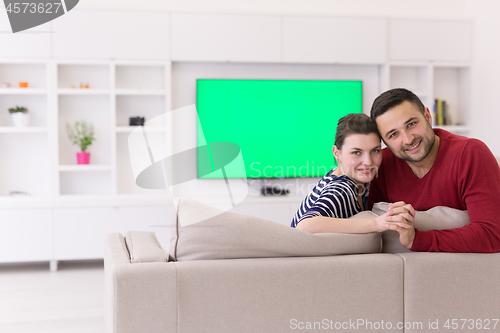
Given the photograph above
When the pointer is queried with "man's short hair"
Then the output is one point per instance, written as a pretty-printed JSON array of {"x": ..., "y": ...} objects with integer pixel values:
[{"x": 392, "y": 98}]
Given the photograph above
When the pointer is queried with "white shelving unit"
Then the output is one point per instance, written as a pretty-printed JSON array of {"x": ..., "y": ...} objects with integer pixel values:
[
  {"x": 27, "y": 150},
  {"x": 72, "y": 206},
  {"x": 116, "y": 91},
  {"x": 141, "y": 90},
  {"x": 429, "y": 81}
]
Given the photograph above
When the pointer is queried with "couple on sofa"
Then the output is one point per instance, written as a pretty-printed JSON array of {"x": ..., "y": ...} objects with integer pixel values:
[{"x": 421, "y": 168}]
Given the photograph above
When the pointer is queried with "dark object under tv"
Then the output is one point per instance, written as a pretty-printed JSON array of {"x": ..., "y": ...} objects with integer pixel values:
[{"x": 273, "y": 190}]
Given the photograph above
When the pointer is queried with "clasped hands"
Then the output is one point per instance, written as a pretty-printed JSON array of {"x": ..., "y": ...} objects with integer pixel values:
[{"x": 400, "y": 217}]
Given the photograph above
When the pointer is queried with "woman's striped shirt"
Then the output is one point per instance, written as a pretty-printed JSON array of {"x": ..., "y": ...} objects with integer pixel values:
[{"x": 333, "y": 196}]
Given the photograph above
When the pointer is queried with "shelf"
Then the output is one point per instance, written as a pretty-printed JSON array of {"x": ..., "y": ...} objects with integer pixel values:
[
  {"x": 84, "y": 167},
  {"x": 78, "y": 91},
  {"x": 408, "y": 64},
  {"x": 454, "y": 128},
  {"x": 27, "y": 130},
  {"x": 22, "y": 91},
  {"x": 451, "y": 64},
  {"x": 140, "y": 92},
  {"x": 79, "y": 200},
  {"x": 140, "y": 78},
  {"x": 97, "y": 76},
  {"x": 150, "y": 129}
]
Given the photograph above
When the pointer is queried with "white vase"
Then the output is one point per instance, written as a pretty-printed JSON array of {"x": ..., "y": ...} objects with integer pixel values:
[{"x": 20, "y": 119}]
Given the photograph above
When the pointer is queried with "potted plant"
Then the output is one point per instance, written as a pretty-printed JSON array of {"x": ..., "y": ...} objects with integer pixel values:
[
  {"x": 20, "y": 116},
  {"x": 82, "y": 135}
]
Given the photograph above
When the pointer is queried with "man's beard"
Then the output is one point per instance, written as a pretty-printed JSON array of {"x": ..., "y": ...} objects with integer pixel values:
[{"x": 425, "y": 147}]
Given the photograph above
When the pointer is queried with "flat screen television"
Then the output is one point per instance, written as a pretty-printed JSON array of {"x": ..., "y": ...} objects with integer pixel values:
[{"x": 284, "y": 128}]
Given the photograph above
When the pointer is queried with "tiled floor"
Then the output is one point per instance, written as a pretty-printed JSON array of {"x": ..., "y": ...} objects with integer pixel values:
[{"x": 35, "y": 300}]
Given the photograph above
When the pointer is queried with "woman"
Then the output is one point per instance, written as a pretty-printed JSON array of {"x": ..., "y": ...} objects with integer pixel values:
[{"x": 343, "y": 192}]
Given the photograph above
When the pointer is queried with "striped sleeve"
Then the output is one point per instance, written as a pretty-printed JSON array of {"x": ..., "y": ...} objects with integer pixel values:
[{"x": 337, "y": 199}]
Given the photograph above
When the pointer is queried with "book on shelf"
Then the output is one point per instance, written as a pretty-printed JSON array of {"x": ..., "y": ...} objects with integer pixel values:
[{"x": 441, "y": 113}]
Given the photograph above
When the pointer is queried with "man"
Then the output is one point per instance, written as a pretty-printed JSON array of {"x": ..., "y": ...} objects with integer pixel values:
[{"x": 427, "y": 168}]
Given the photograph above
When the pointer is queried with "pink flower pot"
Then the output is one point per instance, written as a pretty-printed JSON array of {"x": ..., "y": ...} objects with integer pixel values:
[{"x": 83, "y": 157}]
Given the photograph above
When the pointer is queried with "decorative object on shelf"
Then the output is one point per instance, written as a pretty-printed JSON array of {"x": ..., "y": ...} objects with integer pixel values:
[
  {"x": 82, "y": 135},
  {"x": 23, "y": 84},
  {"x": 84, "y": 85},
  {"x": 136, "y": 121},
  {"x": 20, "y": 116},
  {"x": 5, "y": 85}
]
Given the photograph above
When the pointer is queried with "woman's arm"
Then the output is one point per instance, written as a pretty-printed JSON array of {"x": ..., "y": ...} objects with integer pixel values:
[
  {"x": 399, "y": 214},
  {"x": 319, "y": 224}
]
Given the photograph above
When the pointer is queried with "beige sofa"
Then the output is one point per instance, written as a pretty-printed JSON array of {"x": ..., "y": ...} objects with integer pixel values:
[{"x": 254, "y": 275}]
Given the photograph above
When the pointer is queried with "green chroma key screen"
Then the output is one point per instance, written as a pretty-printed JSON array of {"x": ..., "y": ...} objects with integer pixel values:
[{"x": 284, "y": 128}]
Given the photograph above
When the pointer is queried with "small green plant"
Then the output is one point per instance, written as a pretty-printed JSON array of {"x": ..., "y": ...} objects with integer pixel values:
[
  {"x": 18, "y": 109},
  {"x": 82, "y": 134}
]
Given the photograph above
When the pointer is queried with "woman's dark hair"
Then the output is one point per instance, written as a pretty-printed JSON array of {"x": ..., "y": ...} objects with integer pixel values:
[
  {"x": 354, "y": 123},
  {"x": 392, "y": 98}
]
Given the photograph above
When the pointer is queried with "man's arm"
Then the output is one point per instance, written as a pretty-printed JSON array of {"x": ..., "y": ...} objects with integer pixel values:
[{"x": 479, "y": 186}]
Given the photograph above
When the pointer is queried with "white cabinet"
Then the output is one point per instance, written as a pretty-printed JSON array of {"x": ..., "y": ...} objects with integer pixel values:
[
  {"x": 140, "y": 35},
  {"x": 82, "y": 34},
  {"x": 430, "y": 40},
  {"x": 80, "y": 233},
  {"x": 107, "y": 34},
  {"x": 154, "y": 219},
  {"x": 334, "y": 40},
  {"x": 26, "y": 235},
  {"x": 213, "y": 37},
  {"x": 36, "y": 43}
]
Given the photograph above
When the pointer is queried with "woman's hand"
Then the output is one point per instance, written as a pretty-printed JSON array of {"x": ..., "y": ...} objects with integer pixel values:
[
  {"x": 379, "y": 223},
  {"x": 400, "y": 218}
]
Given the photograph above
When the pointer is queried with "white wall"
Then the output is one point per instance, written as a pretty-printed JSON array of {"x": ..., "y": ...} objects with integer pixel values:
[
  {"x": 380, "y": 8},
  {"x": 486, "y": 73}
]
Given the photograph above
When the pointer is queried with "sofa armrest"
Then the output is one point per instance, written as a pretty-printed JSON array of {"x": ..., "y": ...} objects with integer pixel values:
[
  {"x": 139, "y": 297},
  {"x": 442, "y": 286},
  {"x": 143, "y": 246}
]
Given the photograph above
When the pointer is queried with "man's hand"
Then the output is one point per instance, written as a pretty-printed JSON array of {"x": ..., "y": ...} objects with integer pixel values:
[{"x": 400, "y": 218}]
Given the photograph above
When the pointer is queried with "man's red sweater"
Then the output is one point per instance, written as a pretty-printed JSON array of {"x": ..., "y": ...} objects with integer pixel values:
[{"x": 465, "y": 176}]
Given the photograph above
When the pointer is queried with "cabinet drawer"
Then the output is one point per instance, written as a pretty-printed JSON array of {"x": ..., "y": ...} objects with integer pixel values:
[
  {"x": 430, "y": 40},
  {"x": 26, "y": 235},
  {"x": 334, "y": 40},
  {"x": 210, "y": 37}
]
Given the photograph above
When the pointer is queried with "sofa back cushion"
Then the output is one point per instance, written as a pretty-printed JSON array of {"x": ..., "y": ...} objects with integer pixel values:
[
  {"x": 436, "y": 218},
  {"x": 227, "y": 235}
]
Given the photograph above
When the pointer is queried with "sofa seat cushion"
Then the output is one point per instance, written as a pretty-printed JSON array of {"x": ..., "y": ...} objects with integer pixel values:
[{"x": 204, "y": 232}]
